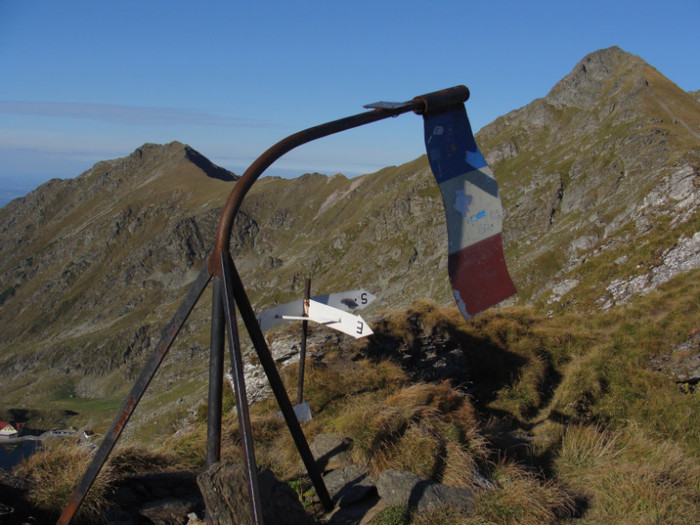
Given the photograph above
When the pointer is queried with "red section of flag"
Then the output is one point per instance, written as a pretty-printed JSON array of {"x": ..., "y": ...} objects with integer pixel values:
[{"x": 479, "y": 276}]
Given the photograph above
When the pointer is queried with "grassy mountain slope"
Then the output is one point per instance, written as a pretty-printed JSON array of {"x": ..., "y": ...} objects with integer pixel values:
[
  {"x": 558, "y": 419},
  {"x": 599, "y": 182}
]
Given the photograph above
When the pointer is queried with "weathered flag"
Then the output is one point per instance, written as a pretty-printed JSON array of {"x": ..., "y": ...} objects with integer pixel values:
[{"x": 473, "y": 210}]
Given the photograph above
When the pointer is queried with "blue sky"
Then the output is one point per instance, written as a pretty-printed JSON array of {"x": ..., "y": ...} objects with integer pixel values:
[{"x": 83, "y": 81}]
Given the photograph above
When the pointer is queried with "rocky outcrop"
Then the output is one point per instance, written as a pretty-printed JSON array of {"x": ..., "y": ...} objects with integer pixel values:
[
  {"x": 592, "y": 77},
  {"x": 413, "y": 492},
  {"x": 682, "y": 364},
  {"x": 598, "y": 165},
  {"x": 683, "y": 257},
  {"x": 224, "y": 487}
]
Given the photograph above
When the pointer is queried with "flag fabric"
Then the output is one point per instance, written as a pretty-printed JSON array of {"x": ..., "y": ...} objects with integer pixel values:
[{"x": 476, "y": 264}]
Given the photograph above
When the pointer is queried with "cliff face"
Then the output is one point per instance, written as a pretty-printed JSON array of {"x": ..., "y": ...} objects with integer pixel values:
[{"x": 600, "y": 187}]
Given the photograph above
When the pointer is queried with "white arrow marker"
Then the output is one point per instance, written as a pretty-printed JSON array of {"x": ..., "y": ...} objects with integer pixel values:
[
  {"x": 352, "y": 300},
  {"x": 320, "y": 313},
  {"x": 346, "y": 301},
  {"x": 276, "y": 315},
  {"x": 352, "y": 325}
]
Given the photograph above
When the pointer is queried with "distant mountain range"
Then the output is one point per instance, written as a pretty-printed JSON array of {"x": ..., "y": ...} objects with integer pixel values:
[{"x": 599, "y": 181}]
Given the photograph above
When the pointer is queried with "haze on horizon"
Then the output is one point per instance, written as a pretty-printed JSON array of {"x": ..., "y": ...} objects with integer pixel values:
[{"x": 84, "y": 81}]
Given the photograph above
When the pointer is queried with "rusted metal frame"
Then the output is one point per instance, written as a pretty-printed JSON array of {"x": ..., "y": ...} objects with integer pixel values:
[
  {"x": 302, "y": 349},
  {"x": 420, "y": 104},
  {"x": 216, "y": 374},
  {"x": 239, "y": 386},
  {"x": 268, "y": 364},
  {"x": 256, "y": 169},
  {"x": 169, "y": 334}
]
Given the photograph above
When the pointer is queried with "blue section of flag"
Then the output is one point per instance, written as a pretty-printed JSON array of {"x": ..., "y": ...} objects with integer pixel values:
[
  {"x": 449, "y": 141},
  {"x": 475, "y": 158},
  {"x": 480, "y": 215}
]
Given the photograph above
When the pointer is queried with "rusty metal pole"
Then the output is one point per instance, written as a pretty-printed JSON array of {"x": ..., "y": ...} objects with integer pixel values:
[
  {"x": 216, "y": 375},
  {"x": 382, "y": 111},
  {"x": 420, "y": 104},
  {"x": 237, "y": 372},
  {"x": 277, "y": 386},
  {"x": 302, "y": 349}
]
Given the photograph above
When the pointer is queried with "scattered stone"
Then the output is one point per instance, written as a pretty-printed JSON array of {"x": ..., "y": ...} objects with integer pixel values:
[
  {"x": 560, "y": 289},
  {"x": 406, "y": 489},
  {"x": 361, "y": 513},
  {"x": 682, "y": 364},
  {"x": 193, "y": 519},
  {"x": 349, "y": 485},
  {"x": 167, "y": 511},
  {"x": 683, "y": 257}
]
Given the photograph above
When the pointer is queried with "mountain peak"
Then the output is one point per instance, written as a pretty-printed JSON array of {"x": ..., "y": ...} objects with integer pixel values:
[
  {"x": 175, "y": 152},
  {"x": 597, "y": 74}
]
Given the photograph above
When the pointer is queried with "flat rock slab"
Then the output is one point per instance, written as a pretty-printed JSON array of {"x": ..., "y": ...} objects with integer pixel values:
[
  {"x": 403, "y": 488},
  {"x": 331, "y": 451},
  {"x": 168, "y": 511},
  {"x": 349, "y": 485}
]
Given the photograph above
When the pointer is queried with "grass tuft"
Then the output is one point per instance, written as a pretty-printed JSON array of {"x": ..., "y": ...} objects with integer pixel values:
[{"x": 55, "y": 472}]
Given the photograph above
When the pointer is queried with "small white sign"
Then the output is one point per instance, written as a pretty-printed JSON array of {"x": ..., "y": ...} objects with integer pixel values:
[
  {"x": 303, "y": 412},
  {"x": 352, "y": 325},
  {"x": 352, "y": 300},
  {"x": 343, "y": 301},
  {"x": 276, "y": 315}
]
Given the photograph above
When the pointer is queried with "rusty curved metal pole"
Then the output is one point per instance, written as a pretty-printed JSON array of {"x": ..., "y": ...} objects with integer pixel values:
[
  {"x": 430, "y": 102},
  {"x": 420, "y": 104}
]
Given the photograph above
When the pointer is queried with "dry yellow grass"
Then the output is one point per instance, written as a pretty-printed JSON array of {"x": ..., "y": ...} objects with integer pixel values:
[
  {"x": 55, "y": 472},
  {"x": 520, "y": 498},
  {"x": 630, "y": 477},
  {"x": 428, "y": 429},
  {"x": 606, "y": 430}
]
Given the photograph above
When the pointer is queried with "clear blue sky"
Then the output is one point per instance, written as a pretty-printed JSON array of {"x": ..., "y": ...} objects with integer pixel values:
[{"x": 82, "y": 81}]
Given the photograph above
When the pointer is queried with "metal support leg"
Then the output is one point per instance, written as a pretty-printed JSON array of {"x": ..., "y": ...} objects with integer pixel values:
[
  {"x": 302, "y": 349},
  {"x": 169, "y": 334},
  {"x": 241, "y": 396},
  {"x": 216, "y": 375},
  {"x": 268, "y": 364}
]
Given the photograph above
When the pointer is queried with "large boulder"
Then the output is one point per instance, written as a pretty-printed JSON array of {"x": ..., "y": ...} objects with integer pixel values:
[{"x": 224, "y": 487}]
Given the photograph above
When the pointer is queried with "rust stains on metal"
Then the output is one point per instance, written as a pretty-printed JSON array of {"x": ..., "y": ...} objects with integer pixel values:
[
  {"x": 437, "y": 100},
  {"x": 70, "y": 509}
]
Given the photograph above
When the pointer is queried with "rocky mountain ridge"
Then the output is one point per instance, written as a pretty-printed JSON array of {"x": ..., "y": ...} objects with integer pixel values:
[
  {"x": 609, "y": 158},
  {"x": 599, "y": 181}
]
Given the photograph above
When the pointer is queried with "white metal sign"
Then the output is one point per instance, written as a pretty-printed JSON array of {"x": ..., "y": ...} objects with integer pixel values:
[
  {"x": 352, "y": 325},
  {"x": 321, "y": 312},
  {"x": 352, "y": 300},
  {"x": 275, "y": 316}
]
